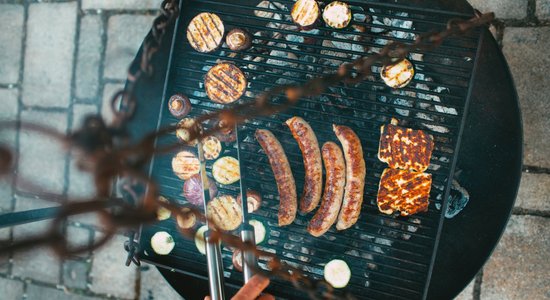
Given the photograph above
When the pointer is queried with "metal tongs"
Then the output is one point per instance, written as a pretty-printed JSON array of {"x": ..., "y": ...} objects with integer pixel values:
[
  {"x": 213, "y": 250},
  {"x": 247, "y": 231}
]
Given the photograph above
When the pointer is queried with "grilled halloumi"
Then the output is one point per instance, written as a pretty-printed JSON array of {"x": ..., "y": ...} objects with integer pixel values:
[
  {"x": 205, "y": 32},
  {"x": 405, "y": 148},
  {"x": 226, "y": 170},
  {"x": 404, "y": 191},
  {"x": 225, "y": 212},
  {"x": 185, "y": 164},
  {"x": 225, "y": 83},
  {"x": 337, "y": 15},
  {"x": 398, "y": 75},
  {"x": 305, "y": 12}
]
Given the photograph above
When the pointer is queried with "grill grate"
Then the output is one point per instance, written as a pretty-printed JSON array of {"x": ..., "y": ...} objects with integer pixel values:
[{"x": 390, "y": 257}]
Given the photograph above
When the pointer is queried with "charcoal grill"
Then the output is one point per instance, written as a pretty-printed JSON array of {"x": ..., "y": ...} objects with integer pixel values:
[{"x": 390, "y": 257}]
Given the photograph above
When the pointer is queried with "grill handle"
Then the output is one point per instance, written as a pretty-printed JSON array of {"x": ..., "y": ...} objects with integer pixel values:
[
  {"x": 215, "y": 267},
  {"x": 249, "y": 259}
]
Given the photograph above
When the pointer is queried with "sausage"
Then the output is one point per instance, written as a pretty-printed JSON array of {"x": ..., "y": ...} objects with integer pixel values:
[
  {"x": 313, "y": 183},
  {"x": 283, "y": 175},
  {"x": 355, "y": 176},
  {"x": 334, "y": 190}
]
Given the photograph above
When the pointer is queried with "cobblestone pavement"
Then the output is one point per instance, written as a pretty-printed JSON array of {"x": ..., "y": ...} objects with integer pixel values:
[{"x": 60, "y": 59}]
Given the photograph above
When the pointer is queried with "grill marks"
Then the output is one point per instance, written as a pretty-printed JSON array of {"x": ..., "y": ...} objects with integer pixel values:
[
  {"x": 404, "y": 191},
  {"x": 405, "y": 148},
  {"x": 225, "y": 212},
  {"x": 205, "y": 32},
  {"x": 225, "y": 83},
  {"x": 305, "y": 12},
  {"x": 403, "y": 186}
]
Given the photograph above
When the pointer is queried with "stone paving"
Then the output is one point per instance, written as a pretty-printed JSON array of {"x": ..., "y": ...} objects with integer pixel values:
[{"x": 62, "y": 59}]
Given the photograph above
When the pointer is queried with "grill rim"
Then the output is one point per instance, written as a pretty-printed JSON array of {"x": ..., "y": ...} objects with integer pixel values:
[{"x": 455, "y": 153}]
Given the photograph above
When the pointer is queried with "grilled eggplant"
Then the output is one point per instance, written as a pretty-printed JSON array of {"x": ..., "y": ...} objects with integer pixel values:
[
  {"x": 185, "y": 164},
  {"x": 238, "y": 39},
  {"x": 305, "y": 13},
  {"x": 337, "y": 15},
  {"x": 399, "y": 74},
  {"x": 225, "y": 83},
  {"x": 405, "y": 148},
  {"x": 404, "y": 191},
  {"x": 205, "y": 32},
  {"x": 337, "y": 273},
  {"x": 179, "y": 105}
]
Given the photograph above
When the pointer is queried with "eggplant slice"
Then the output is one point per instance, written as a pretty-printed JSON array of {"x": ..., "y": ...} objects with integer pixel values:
[
  {"x": 225, "y": 83},
  {"x": 337, "y": 15},
  {"x": 305, "y": 12},
  {"x": 205, "y": 32}
]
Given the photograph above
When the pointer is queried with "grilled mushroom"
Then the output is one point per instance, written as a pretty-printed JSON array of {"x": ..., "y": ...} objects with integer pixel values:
[
  {"x": 179, "y": 105},
  {"x": 399, "y": 74},
  {"x": 225, "y": 83},
  {"x": 205, "y": 32},
  {"x": 337, "y": 15},
  {"x": 226, "y": 133},
  {"x": 253, "y": 200},
  {"x": 237, "y": 260},
  {"x": 184, "y": 129},
  {"x": 238, "y": 39},
  {"x": 186, "y": 219},
  {"x": 305, "y": 13}
]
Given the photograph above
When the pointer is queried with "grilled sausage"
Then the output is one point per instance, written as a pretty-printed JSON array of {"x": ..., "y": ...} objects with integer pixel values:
[
  {"x": 334, "y": 190},
  {"x": 307, "y": 141},
  {"x": 283, "y": 175},
  {"x": 355, "y": 176}
]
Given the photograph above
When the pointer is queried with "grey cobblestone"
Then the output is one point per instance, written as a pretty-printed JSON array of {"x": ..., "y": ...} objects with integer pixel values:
[
  {"x": 75, "y": 274},
  {"x": 49, "y": 54},
  {"x": 503, "y": 9},
  {"x": 543, "y": 9},
  {"x": 534, "y": 192},
  {"x": 121, "y": 4},
  {"x": 40, "y": 263},
  {"x": 154, "y": 286},
  {"x": 108, "y": 91},
  {"x": 109, "y": 274},
  {"x": 4, "y": 259},
  {"x": 524, "y": 48},
  {"x": 89, "y": 56},
  {"x": 39, "y": 152},
  {"x": 8, "y": 98},
  {"x": 11, "y": 289},
  {"x": 11, "y": 39},
  {"x": 81, "y": 184},
  {"x": 36, "y": 292},
  {"x": 467, "y": 293},
  {"x": 125, "y": 34},
  {"x": 518, "y": 269}
]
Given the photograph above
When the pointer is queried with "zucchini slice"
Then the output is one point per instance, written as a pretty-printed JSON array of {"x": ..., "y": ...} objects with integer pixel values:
[
  {"x": 259, "y": 231},
  {"x": 200, "y": 243},
  {"x": 162, "y": 243},
  {"x": 337, "y": 273}
]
